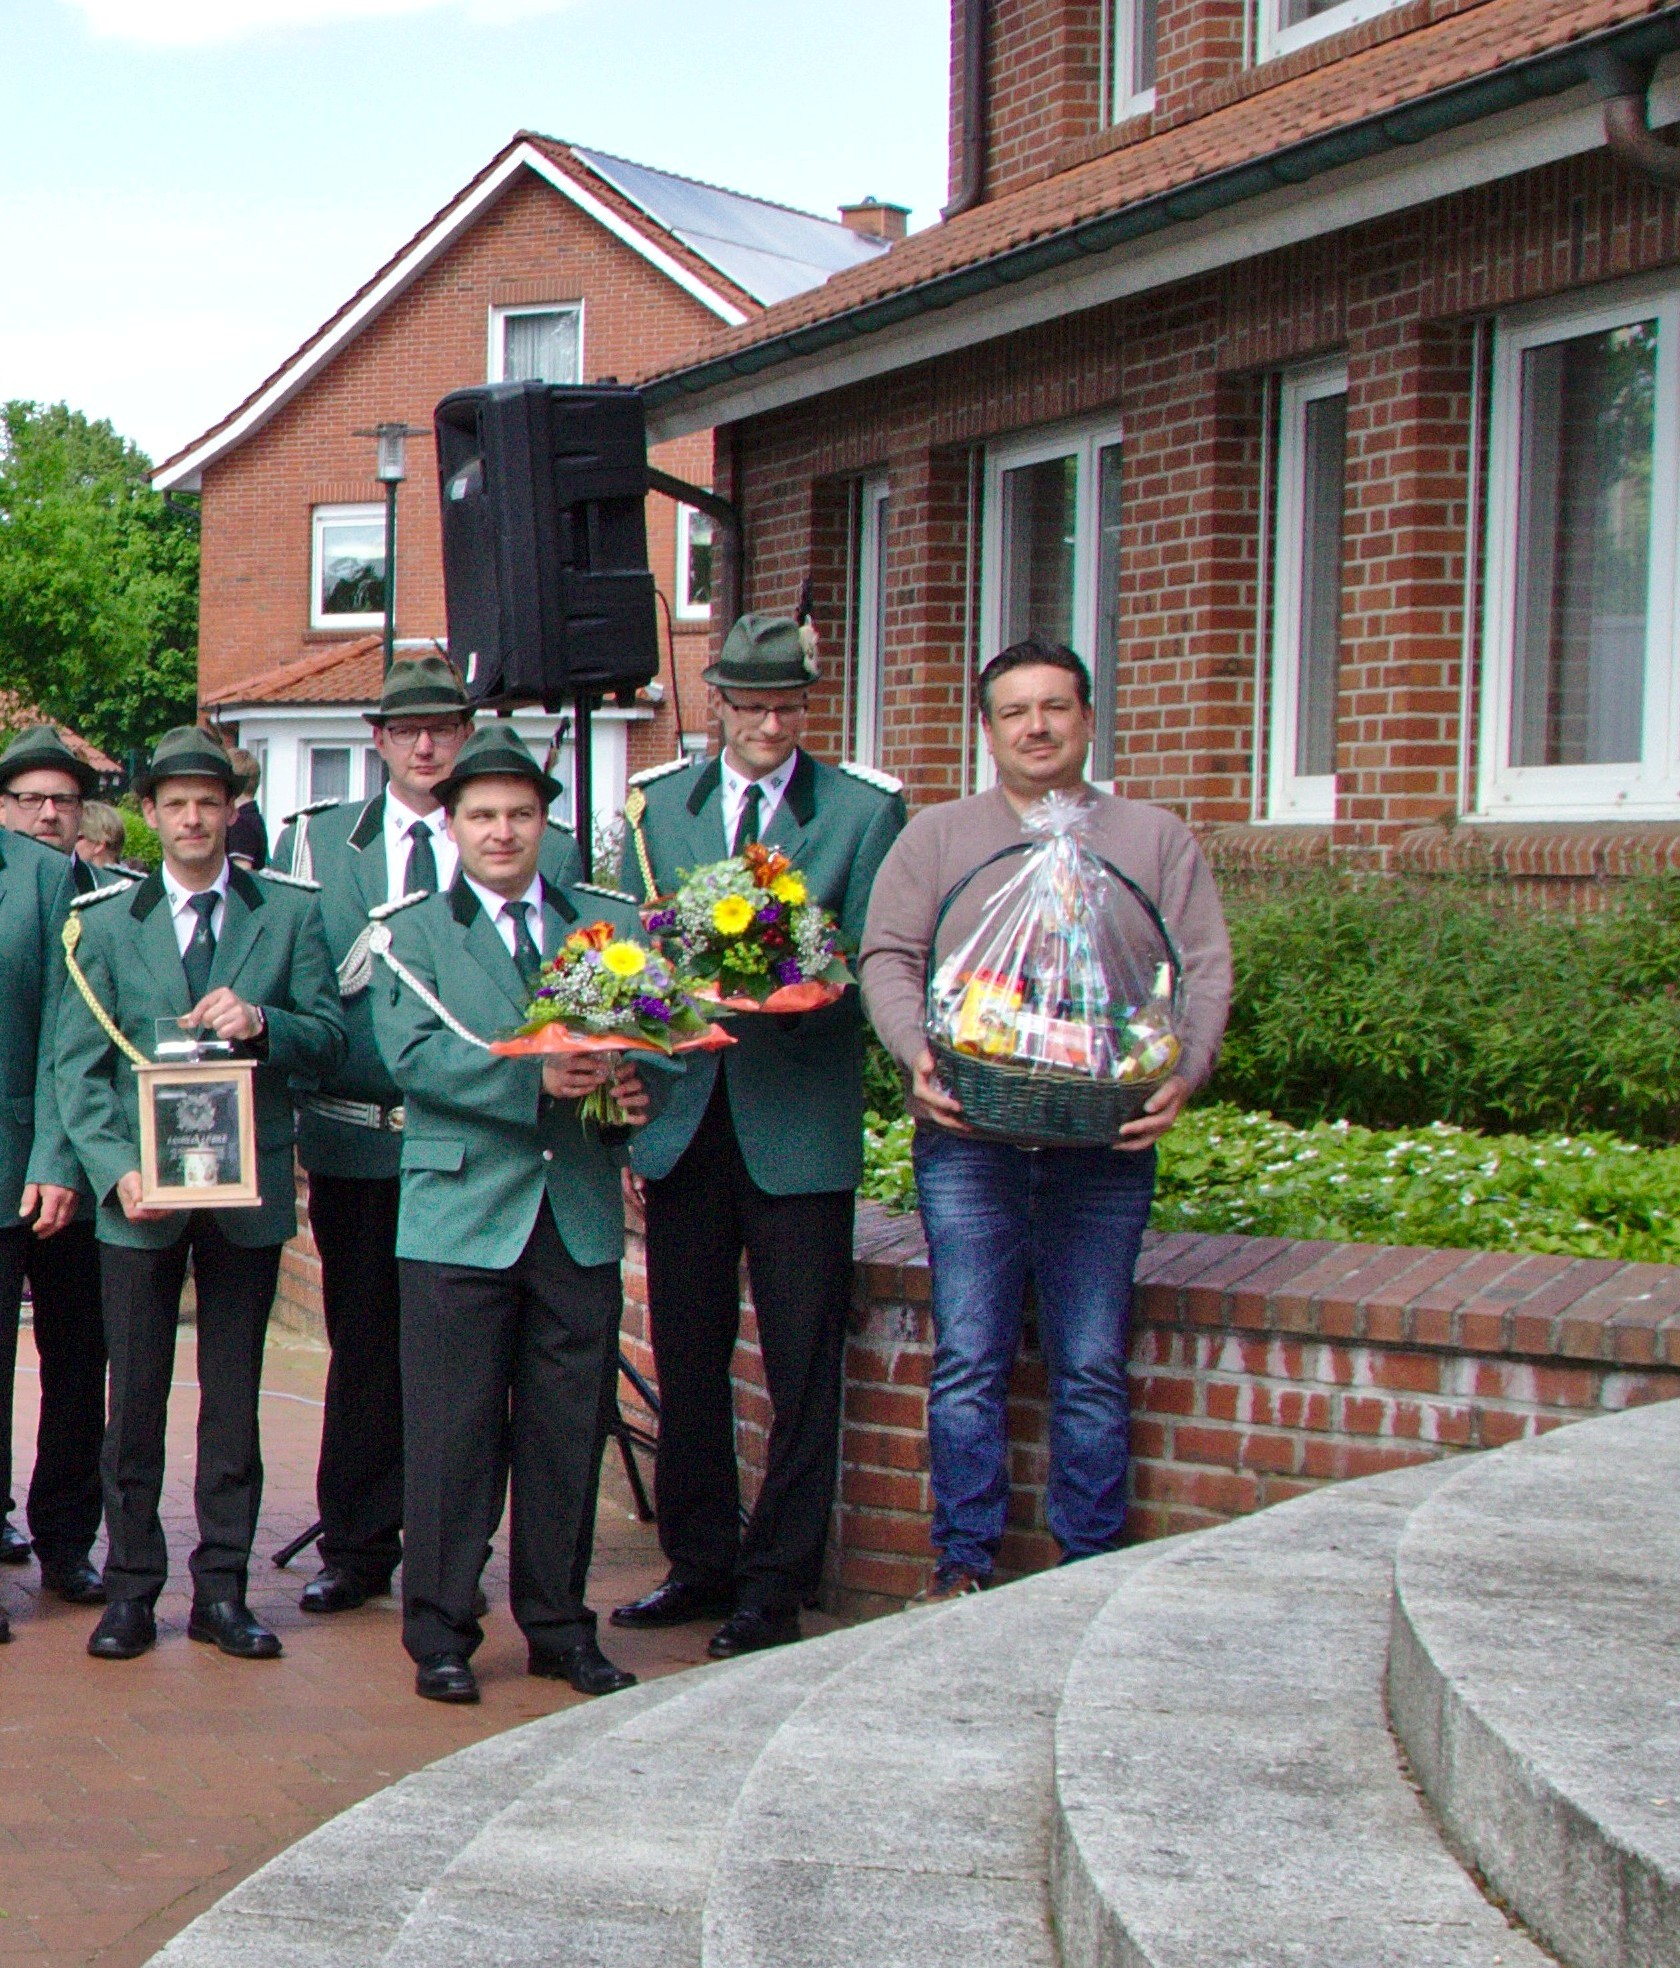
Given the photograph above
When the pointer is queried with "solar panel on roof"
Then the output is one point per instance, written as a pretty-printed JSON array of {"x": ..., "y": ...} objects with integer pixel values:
[{"x": 767, "y": 250}]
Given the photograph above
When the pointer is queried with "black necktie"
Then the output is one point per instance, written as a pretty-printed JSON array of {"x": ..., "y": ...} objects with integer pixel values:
[
  {"x": 421, "y": 877},
  {"x": 200, "y": 952},
  {"x": 746, "y": 828},
  {"x": 525, "y": 953}
]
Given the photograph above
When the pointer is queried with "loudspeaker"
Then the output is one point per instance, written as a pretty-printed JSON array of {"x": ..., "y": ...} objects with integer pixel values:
[{"x": 545, "y": 541}]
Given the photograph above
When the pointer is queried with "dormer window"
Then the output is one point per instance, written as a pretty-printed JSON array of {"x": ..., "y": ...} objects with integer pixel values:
[
  {"x": 1128, "y": 58},
  {"x": 1286, "y": 25}
]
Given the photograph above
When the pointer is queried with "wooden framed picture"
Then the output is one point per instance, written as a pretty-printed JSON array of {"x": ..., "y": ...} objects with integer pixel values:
[{"x": 198, "y": 1135}]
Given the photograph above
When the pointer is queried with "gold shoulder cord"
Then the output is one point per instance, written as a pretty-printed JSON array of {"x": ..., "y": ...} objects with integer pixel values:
[
  {"x": 634, "y": 807},
  {"x": 107, "y": 1024}
]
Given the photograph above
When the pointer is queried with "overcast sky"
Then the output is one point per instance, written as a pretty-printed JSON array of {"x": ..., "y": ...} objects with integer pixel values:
[{"x": 189, "y": 187}]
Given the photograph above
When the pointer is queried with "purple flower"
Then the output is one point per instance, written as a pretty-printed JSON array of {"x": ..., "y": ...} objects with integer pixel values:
[
  {"x": 770, "y": 913},
  {"x": 654, "y": 1009},
  {"x": 787, "y": 971},
  {"x": 662, "y": 919}
]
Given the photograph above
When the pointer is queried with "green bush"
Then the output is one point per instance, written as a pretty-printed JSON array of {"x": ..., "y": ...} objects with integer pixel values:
[
  {"x": 1225, "y": 1170},
  {"x": 141, "y": 847},
  {"x": 1394, "y": 1004}
]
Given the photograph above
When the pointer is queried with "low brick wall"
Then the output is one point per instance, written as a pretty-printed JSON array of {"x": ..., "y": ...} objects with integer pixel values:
[{"x": 1261, "y": 1368}]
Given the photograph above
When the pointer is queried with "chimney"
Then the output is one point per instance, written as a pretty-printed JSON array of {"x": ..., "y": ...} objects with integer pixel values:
[{"x": 873, "y": 220}]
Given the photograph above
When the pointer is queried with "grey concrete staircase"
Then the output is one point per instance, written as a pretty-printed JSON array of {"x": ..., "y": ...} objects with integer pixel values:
[{"x": 1177, "y": 1757}]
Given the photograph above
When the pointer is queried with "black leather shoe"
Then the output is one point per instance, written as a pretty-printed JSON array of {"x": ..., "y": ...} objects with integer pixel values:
[
  {"x": 446, "y": 1678},
  {"x": 74, "y": 1580},
  {"x": 5, "y": 1629},
  {"x": 227, "y": 1623},
  {"x": 584, "y": 1665},
  {"x": 339, "y": 1592},
  {"x": 14, "y": 1546},
  {"x": 751, "y": 1629},
  {"x": 125, "y": 1631},
  {"x": 675, "y": 1603}
]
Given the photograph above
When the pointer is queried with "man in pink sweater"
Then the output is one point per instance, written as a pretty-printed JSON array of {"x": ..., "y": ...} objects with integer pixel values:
[{"x": 1072, "y": 1219}]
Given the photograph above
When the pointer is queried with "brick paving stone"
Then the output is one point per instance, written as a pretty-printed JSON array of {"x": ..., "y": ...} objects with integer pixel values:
[{"x": 134, "y": 1794}]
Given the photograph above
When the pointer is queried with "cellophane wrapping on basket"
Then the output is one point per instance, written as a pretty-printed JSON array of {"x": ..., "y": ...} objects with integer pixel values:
[{"x": 1065, "y": 973}]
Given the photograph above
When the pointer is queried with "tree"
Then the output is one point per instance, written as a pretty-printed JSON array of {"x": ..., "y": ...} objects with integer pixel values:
[{"x": 98, "y": 580}]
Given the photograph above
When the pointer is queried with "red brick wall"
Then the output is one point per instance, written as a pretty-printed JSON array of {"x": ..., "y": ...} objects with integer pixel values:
[
  {"x": 1261, "y": 1369},
  {"x": 1183, "y": 371},
  {"x": 1043, "y": 87},
  {"x": 533, "y": 244}
]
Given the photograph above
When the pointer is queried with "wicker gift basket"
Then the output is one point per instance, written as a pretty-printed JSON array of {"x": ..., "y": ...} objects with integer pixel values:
[{"x": 1056, "y": 1019}]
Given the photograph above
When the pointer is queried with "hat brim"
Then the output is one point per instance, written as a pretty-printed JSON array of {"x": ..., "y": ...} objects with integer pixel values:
[
  {"x": 438, "y": 707},
  {"x": 721, "y": 678},
  {"x": 86, "y": 776},
  {"x": 146, "y": 783},
  {"x": 446, "y": 789}
]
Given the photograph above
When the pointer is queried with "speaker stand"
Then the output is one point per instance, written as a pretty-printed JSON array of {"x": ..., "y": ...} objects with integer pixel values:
[{"x": 583, "y": 788}]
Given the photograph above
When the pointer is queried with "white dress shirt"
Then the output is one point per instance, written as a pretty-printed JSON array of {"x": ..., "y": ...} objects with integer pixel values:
[
  {"x": 771, "y": 788},
  {"x": 494, "y": 906},
  {"x": 398, "y": 820},
  {"x": 185, "y": 916}
]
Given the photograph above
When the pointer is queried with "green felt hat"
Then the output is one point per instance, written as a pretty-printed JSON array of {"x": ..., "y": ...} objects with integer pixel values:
[
  {"x": 186, "y": 753},
  {"x": 764, "y": 652},
  {"x": 496, "y": 751},
  {"x": 418, "y": 684},
  {"x": 40, "y": 748}
]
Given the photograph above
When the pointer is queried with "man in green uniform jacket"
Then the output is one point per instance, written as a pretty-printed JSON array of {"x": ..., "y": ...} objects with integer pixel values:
[
  {"x": 509, "y": 1237},
  {"x": 245, "y": 957},
  {"x": 761, "y": 1149},
  {"x": 42, "y": 787},
  {"x": 365, "y": 854}
]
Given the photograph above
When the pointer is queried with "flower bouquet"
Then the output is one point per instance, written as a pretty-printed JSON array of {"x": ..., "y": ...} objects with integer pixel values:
[
  {"x": 750, "y": 938},
  {"x": 601, "y": 992}
]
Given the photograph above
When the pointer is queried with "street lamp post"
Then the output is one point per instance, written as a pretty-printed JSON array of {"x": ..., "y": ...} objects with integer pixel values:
[{"x": 391, "y": 468}]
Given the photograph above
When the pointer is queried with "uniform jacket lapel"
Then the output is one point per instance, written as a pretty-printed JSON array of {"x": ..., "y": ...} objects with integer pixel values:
[
  {"x": 156, "y": 945},
  {"x": 242, "y": 926},
  {"x": 795, "y": 812},
  {"x": 367, "y": 854},
  {"x": 705, "y": 820}
]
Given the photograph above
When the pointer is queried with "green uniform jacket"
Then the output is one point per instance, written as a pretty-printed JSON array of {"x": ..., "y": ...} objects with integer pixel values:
[
  {"x": 481, "y": 1142},
  {"x": 344, "y": 850},
  {"x": 795, "y": 1084},
  {"x": 273, "y": 952},
  {"x": 35, "y": 890}
]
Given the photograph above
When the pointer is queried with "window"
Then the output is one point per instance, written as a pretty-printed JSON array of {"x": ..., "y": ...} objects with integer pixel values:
[
  {"x": 348, "y": 571},
  {"x": 1130, "y": 29},
  {"x": 866, "y": 702},
  {"x": 329, "y": 772},
  {"x": 1580, "y": 673},
  {"x": 541, "y": 344},
  {"x": 1307, "y": 604},
  {"x": 1286, "y": 25},
  {"x": 694, "y": 565},
  {"x": 1051, "y": 558}
]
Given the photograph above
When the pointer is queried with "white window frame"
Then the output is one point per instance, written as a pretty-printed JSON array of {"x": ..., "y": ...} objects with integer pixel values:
[
  {"x": 1649, "y": 787},
  {"x": 1276, "y": 39},
  {"x": 315, "y": 749},
  {"x": 1294, "y": 798},
  {"x": 1085, "y": 442},
  {"x": 1119, "y": 55},
  {"x": 686, "y": 610},
  {"x": 319, "y": 519},
  {"x": 865, "y": 735},
  {"x": 496, "y": 362}
]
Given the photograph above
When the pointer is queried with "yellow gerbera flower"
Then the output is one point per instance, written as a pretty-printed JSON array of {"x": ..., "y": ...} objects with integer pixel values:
[
  {"x": 732, "y": 915},
  {"x": 789, "y": 889},
  {"x": 624, "y": 959}
]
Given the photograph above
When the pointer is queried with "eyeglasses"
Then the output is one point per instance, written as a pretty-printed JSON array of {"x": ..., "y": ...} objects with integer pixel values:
[
  {"x": 33, "y": 802},
  {"x": 442, "y": 731},
  {"x": 762, "y": 713}
]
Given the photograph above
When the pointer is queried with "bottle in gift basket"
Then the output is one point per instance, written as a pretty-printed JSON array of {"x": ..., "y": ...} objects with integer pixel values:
[{"x": 1055, "y": 1018}]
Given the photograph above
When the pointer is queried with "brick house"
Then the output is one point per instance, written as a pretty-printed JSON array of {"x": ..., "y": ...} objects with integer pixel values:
[
  {"x": 554, "y": 262},
  {"x": 1313, "y": 366}
]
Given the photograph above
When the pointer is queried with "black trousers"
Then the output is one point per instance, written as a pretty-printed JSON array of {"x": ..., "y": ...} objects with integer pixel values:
[
  {"x": 799, "y": 1257},
  {"x": 358, "y": 1483},
  {"x": 142, "y": 1291},
  {"x": 63, "y": 1274},
  {"x": 501, "y": 1370}
]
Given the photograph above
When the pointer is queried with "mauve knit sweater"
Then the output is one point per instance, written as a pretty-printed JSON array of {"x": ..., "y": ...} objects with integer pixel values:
[{"x": 942, "y": 843}]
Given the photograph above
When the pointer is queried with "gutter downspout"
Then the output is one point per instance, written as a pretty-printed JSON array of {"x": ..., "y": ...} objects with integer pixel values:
[
  {"x": 1625, "y": 85},
  {"x": 970, "y": 184}
]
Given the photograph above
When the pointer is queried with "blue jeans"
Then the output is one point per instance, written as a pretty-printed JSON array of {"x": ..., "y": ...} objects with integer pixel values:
[{"x": 1072, "y": 1219}]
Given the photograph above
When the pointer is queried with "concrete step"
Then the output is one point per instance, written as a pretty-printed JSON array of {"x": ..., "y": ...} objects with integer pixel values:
[
  {"x": 1535, "y": 1679},
  {"x": 1227, "y": 1792},
  {"x": 900, "y": 1816},
  {"x": 608, "y": 1859},
  {"x": 339, "y": 1898}
]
